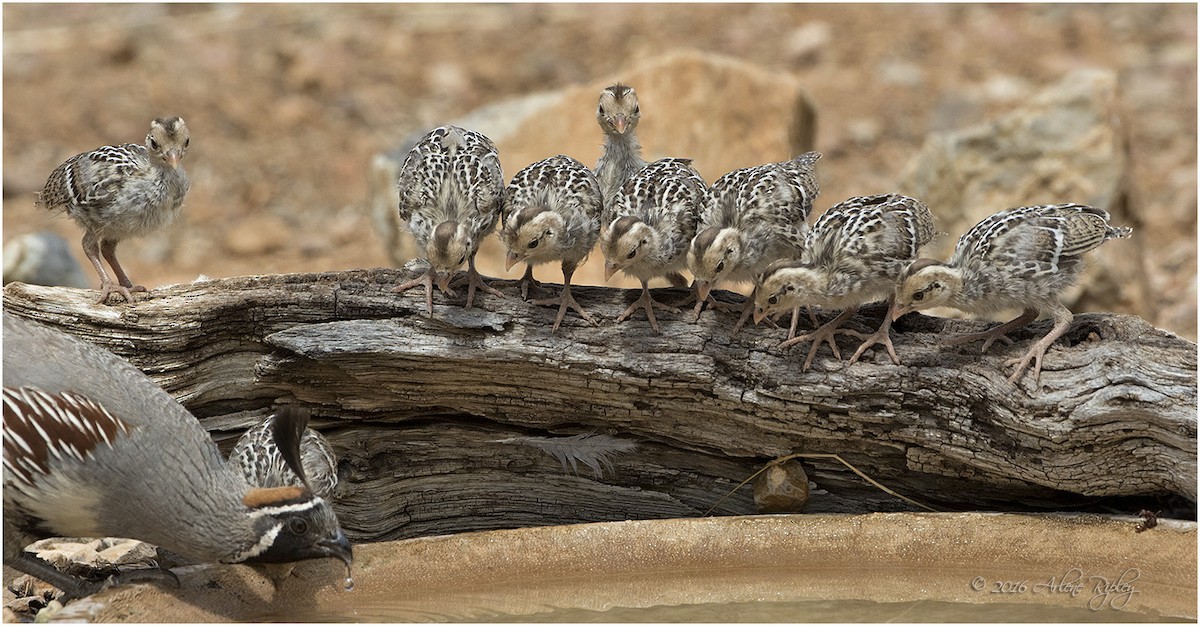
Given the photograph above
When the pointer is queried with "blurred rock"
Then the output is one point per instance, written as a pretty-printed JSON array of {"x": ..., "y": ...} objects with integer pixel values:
[
  {"x": 42, "y": 258},
  {"x": 721, "y": 112},
  {"x": 1066, "y": 144},
  {"x": 258, "y": 234},
  {"x": 804, "y": 45}
]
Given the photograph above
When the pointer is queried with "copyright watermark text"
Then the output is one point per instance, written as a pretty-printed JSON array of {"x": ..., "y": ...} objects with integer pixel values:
[{"x": 1098, "y": 591}]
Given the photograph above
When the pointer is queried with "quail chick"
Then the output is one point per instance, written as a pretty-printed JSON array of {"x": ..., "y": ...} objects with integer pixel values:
[
  {"x": 649, "y": 225},
  {"x": 618, "y": 113},
  {"x": 853, "y": 256},
  {"x": 262, "y": 464},
  {"x": 117, "y": 192},
  {"x": 1017, "y": 258},
  {"x": 759, "y": 215},
  {"x": 93, "y": 448},
  {"x": 451, "y": 195},
  {"x": 552, "y": 212}
]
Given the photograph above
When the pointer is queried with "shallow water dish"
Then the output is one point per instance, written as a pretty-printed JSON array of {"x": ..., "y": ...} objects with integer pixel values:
[{"x": 908, "y": 566}]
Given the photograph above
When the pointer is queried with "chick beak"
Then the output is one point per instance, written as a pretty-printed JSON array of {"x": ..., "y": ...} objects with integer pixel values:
[
  {"x": 510, "y": 260},
  {"x": 703, "y": 287},
  {"x": 609, "y": 270},
  {"x": 899, "y": 310},
  {"x": 620, "y": 123},
  {"x": 759, "y": 314},
  {"x": 172, "y": 158},
  {"x": 443, "y": 282}
]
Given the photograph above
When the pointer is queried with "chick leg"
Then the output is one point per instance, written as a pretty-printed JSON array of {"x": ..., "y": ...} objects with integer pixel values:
[
  {"x": 565, "y": 300},
  {"x": 648, "y": 303},
  {"x": 883, "y": 336},
  {"x": 1062, "y": 321},
  {"x": 527, "y": 281},
  {"x": 424, "y": 279},
  {"x": 747, "y": 309},
  {"x": 91, "y": 248},
  {"x": 823, "y": 334},
  {"x": 999, "y": 332},
  {"x": 475, "y": 281}
]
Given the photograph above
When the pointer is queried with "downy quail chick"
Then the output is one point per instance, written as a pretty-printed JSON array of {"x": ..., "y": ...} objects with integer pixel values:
[
  {"x": 759, "y": 215},
  {"x": 451, "y": 194},
  {"x": 1017, "y": 258},
  {"x": 552, "y": 212},
  {"x": 117, "y": 192},
  {"x": 93, "y": 448},
  {"x": 262, "y": 464},
  {"x": 618, "y": 113},
  {"x": 650, "y": 223},
  {"x": 853, "y": 256}
]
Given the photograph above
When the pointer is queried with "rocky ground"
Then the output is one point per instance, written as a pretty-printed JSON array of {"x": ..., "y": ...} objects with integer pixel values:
[{"x": 288, "y": 103}]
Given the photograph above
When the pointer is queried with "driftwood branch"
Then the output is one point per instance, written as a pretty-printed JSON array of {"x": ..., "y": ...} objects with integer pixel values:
[{"x": 450, "y": 423}]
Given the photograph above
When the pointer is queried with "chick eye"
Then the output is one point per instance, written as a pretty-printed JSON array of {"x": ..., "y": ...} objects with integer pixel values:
[
  {"x": 533, "y": 244},
  {"x": 462, "y": 260},
  {"x": 636, "y": 109},
  {"x": 632, "y": 253},
  {"x": 152, "y": 142},
  {"x": 720, "y": 267},
  {"x": 920, "y": 295},
  {"x": 773, "y": 300},
  {"x": 187, "y": 142},
  {"x": 297, "y": 526}
]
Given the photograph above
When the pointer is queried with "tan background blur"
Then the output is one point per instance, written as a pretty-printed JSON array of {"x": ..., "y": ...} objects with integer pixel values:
[{"x": 288, "y": 103}]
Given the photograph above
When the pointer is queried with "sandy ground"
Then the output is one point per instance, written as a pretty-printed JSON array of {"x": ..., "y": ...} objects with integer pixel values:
[{"x": 287, "y": 103}]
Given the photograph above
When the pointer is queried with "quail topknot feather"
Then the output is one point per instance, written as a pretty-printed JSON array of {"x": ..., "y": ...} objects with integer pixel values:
[
  {"x": 1018, "y": 258},
  {"x": 648, "y": 226},
  {"x": 758, "y": 215},
  {"x": 93, "y": 448},
  {"x": 451, "y": 194},
  {"x": 552, "y": 212},
  {"x": 853, "y": 256},
  {"x": 117, "y": 192}
]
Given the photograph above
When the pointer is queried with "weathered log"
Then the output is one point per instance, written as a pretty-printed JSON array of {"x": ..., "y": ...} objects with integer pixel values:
[{"x": 452, "y": 422}]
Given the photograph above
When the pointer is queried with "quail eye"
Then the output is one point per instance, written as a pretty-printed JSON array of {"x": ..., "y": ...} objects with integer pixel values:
[
  {"x": 152, "y": 142},
  {"x": 632, "y": 253},
  {"x": 187, "y": 142},
  {"x": 533, "y": 244},
  {"x": 297, "y": 526},
  {"x": 919, "y": 296},
  {"x": 636, "y": 109},
  {"x": 773, "y": 300},
  {"x": 462, "y": 260},
  {"x": 720, "y": 267}
]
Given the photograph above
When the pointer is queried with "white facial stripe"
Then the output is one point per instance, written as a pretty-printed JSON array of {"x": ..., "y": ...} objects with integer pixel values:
[
  {"x": 287, "y": 508},
  {"x": 264, "y": 542}
]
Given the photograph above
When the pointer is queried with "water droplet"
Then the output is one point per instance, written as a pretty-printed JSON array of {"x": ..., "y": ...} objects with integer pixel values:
[{"x": 349, "y": 586}]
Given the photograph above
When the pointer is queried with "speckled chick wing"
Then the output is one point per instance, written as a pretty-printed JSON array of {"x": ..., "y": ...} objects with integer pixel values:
[
  {"x": 758, "y": 215},
  {"x": 451, "y": 175},
  {"x": 93, "y": 448},
  {"x": 652, "y": 220},
  {"x": 261, "y": 463},
  {"x": 552, "y": 212},
  {"x": 1016, "y": 258},
  {"x": 115, "y": 192},
  {"x": 854, "y": 254}
]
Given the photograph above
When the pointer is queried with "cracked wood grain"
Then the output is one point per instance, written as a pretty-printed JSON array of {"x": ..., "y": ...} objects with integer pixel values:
[{"x": 417, "y": 406}]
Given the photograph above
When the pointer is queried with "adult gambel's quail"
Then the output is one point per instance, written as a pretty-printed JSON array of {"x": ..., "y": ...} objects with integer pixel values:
[
  {"x": 116, "y": 192},
  {"x": 451, "y": 193},
  {"x": 93, "y": 448},
  {"x": 1017, "y": 258},
  {"x": 853, "y": 256},
  {"x": 552, "y": 212}
]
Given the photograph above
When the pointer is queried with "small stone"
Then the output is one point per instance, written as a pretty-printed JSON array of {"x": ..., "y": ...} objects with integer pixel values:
[{"x": 781, "y": 488}]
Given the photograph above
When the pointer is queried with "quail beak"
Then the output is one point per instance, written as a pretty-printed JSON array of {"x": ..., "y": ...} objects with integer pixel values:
[
  {"x": 899, "y": 310},
  {"x": 703, "y": 287},
  {"x": 609, "y": 270},
  {"x": 338, "y": 548},
  {"x": 172, "y": 158},
  {"x": 620, "y": 123},
  {"x": 759, "y": 314},
  {"x": 443, "y": 282},
  {"x": 510, "y": 260}
]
